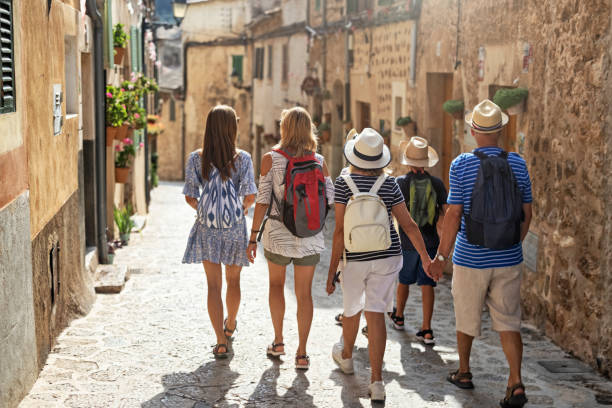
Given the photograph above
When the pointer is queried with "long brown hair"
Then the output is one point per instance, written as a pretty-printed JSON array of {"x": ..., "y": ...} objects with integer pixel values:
[
  {"x": 220, "y": 142},
  {"x": 297, "y": 132}
]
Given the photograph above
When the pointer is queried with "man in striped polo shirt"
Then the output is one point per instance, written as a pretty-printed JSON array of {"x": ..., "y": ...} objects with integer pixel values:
[{"x": 482, "y": 275}]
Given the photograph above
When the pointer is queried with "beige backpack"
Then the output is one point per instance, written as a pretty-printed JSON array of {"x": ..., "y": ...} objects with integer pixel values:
[{"x": 366, "y": 221}]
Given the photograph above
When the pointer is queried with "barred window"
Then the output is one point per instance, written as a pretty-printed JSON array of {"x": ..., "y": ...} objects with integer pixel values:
[{"x": 7, "y": 85}]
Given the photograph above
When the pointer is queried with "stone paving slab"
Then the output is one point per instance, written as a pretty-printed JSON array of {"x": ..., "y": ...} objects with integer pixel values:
[
  {"x": 110, "y": 278},
  {"x": 150, "y": 345}
]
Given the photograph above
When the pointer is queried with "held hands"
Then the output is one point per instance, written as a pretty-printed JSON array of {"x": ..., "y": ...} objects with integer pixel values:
[{"x": 436, "y": 268}]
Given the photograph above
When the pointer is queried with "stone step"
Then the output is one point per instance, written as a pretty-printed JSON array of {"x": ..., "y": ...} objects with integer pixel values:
[
  {"x": 91, "y": 260},
  {"x": 111, "y": 278}
]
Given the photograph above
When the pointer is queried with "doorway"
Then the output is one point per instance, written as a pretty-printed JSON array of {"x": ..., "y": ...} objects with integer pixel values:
[
  {"x": 364, "y": 115},
  {"x": 439, "y": 123}
]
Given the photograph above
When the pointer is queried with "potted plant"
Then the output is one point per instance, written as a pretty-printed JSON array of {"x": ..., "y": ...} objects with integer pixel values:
[
  {"x": 511, "y": 99},
  {"x": 407, "y": 125},
  {"x": 454, "y": 107},
  {"x": 116, "y": 114},
  {"x": 124, "y": 222},
  {"x": 386, "y": 134},
  {"x": 125, "y": 152},
  {"x": 324, "y": 131},
  {"x": 348, "y": 125},
  {"x": 120, "y": 39},
  {"x": 111, "y": 252}
]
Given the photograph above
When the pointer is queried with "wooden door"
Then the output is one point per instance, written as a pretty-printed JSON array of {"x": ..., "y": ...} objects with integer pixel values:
[
  {"x": 364, "y": 116},
  {"x": 447, "y": 130}
]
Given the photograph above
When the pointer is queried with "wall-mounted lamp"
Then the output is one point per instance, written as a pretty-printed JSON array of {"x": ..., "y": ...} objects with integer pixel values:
[
  {"x": 237, "y": 81},
  {"x": 179, "y": 8}
]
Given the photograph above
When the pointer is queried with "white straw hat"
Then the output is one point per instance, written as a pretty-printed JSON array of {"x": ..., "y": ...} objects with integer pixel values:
[
  {"x": 367, "y": 150},
  {"x": 418, "y": 153},
  {"x": 486, "y": 117}
]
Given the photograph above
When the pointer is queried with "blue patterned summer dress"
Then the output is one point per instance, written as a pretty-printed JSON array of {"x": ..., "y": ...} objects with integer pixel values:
[{"x": 218, "y": 245}]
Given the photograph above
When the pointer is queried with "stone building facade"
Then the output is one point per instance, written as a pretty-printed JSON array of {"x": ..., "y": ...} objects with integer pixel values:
[{"x": 51, "y": 208}]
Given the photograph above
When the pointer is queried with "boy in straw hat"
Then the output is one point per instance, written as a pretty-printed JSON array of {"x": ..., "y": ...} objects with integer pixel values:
[
  {"x": 486, "y": 273},
  {"x": 426, "y": 201}
]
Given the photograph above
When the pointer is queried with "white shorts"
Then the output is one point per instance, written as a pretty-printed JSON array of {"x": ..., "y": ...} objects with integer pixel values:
[{"x": 370, "y": 285}]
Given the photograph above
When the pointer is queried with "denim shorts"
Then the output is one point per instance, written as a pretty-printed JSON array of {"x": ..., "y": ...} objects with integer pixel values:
[{"x": 412, "y": 272}]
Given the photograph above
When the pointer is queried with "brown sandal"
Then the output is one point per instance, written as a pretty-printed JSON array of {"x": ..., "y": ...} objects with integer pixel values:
[
  {"x": 514, "y": 400},
  {"x": 302, "y": 366},
  {"x": 461, "y": 380},
  {"x": 220, "y": 354},
  {"x": 229, "y": 333}
]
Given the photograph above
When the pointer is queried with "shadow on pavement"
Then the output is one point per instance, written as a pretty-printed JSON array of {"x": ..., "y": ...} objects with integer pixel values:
[
  {"x": 266, "y": 392},
  {"x": 203, "y": 387}
]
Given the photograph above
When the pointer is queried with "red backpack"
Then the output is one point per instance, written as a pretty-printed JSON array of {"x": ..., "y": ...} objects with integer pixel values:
[{"x": 304, "y": 206}]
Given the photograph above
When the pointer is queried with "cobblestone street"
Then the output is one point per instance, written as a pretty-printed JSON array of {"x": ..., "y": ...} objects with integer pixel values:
[{"x": 151, "y": 345}]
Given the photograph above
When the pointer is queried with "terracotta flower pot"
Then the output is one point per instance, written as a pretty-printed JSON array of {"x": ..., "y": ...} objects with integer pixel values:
[
  {"x": 129, "y": 132},
  {"x": 457, "y": 115},
  {"x": 121, "y": 133},
  {"x": 111, "y": 134},
  {"x": 119, "y": 53},
  {"x": 122, "y": 174},
  {"x": 517, "y": 109},
  {"x": 325, "y": 136}
]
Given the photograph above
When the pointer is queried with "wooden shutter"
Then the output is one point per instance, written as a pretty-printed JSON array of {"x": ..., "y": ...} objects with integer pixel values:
[
  {"x": 109, "y": 34},
  {"x": 285, "y": 76},
  {"x": 270, "y": 62},
  {"x": 7, "y": 90},
  {"x": 237, "y": 65}
]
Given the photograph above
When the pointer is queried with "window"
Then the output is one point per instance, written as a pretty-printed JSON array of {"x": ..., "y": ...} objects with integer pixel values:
[
  {"x": 357, "y": 6},
  {"x": 270, "y": 62},
  {"x": 285, "y": 76},
  {"x": 259, "y": 60},
  {"x": 237, "y": 66},
  {"x": 172, "y": 110},
  {"x": 71, "y": 75},
  {"x": 317, "y": 5},
  {"x": 7, "y": 90}
]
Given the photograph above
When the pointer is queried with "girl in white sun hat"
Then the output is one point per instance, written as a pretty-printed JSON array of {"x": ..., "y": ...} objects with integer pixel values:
[{"x": 370, "y": 248}]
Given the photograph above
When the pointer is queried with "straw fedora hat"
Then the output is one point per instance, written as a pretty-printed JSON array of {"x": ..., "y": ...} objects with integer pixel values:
[
  {"x": 367, "y": 150},
  {"x": 350, "y": 135},
  {"x": 418, "y": 153},
  {"x": 486, "y": 117}
]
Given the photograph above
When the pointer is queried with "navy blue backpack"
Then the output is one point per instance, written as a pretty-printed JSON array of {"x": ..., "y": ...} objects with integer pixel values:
[{"x": 496, "y": 213}]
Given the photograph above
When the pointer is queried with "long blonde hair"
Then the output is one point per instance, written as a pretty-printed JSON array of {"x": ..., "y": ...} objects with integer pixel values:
[{"x": 297, "y": 132}]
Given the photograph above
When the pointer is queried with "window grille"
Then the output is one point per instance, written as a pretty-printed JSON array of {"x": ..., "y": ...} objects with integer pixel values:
[{"x": 7, "y": 89}]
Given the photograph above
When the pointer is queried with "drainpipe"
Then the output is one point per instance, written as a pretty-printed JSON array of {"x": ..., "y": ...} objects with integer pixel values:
[
  {"x": 144, "y": 26},
  {"x": 100, "y": 135},
  {"x": 324, "y": 76},
  {"x": 413, "y": 50}
]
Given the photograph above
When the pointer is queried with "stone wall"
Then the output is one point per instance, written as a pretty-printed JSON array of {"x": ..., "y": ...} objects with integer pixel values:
[
  {"x": 169, "y": 143},
  {"x": 567, "y": 147}
]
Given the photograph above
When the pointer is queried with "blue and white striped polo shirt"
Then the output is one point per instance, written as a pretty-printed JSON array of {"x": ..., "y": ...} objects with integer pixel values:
[{"x": 463, "y": 172}]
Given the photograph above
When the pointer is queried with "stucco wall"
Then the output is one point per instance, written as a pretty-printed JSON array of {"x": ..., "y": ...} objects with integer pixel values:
[{"x": 169, "y": 143}]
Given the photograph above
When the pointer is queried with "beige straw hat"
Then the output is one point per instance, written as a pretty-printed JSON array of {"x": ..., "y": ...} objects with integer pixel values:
[
  {"x": 418, "y": 153},
  {"x": 486, "y": 117}
]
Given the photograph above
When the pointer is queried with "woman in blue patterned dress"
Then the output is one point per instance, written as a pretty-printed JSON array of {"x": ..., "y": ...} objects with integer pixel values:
[{"x": 220, "y": 186}]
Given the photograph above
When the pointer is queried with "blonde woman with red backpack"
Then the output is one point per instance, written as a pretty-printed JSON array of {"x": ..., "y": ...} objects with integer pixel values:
[{"x": 295, "y": 192}]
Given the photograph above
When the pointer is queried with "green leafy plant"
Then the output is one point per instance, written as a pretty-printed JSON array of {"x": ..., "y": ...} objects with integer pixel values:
[
  {"x": 125, "y": 151},
  {"x": 139, "y": 120},
  {"x": 324, "y": 127},
  {"x": 403, "y": 121},
  {"x": 508, "y": 97},
  {"x": 453, "y": 106},
  {"x": 120, "y": 37},
  {"x": 154, "y": 166},
  {"x": 116, "y": 108},
  {"x": 123, "y": 220}
]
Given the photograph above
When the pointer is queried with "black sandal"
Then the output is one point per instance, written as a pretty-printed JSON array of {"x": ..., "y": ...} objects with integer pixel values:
[
  {"x": 459, "y": 380},
  {"x": 426, "y": 341},
  {"x": 271, "y": 350},
  {"x": 302, "y": 366},
  {"x": 220, "y": 354},
  {"x": 514, "y": 400},
  {"x": 364, "y": 331},
  {"x": 226, "y": 330},
  {"x": 339, "y": 318}
]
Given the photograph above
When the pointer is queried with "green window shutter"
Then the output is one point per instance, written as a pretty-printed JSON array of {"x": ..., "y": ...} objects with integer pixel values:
[
  {"x": 133, "y": 49},
  {"x": 7, "y": 77},
  {"x": 139, "y": 42},
  {"x": 109, "y": 34},
  {"x": 237, "y": 65},
  {"x": 318, "y": 5},
  {"x": 351, "y": 6}
]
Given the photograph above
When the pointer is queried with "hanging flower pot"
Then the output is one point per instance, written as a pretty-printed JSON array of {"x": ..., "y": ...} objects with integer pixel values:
[
  {"x": 121, "y": 132},
  {"x": 511, "y": 99},
  {"x": 111, "y": 134},
  {"x": 119, "y": 54},
  {"x": 409, "y": 130},
  {"x": 517, "y": 109},
  {"x": 324, "y": 131},
  {"x": 455, "y": 108},
  {"x": 122, "y": 174}
]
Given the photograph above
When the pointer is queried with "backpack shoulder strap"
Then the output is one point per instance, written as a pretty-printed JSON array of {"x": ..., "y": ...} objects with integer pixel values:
[
  {"x": 379, "y": 182},
  {"x": 351, "y": 184},
  {"x": 504, "y": 155},
  {"x": 480, "y": 155}
]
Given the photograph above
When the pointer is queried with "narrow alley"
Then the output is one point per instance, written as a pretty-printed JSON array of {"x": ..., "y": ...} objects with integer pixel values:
[{"x": 150, "y": 345}]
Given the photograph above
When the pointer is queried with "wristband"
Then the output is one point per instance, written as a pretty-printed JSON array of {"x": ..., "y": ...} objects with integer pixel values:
[
  {"x": 254, "y": 231},
  {"x": 253, "y": 242}
]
